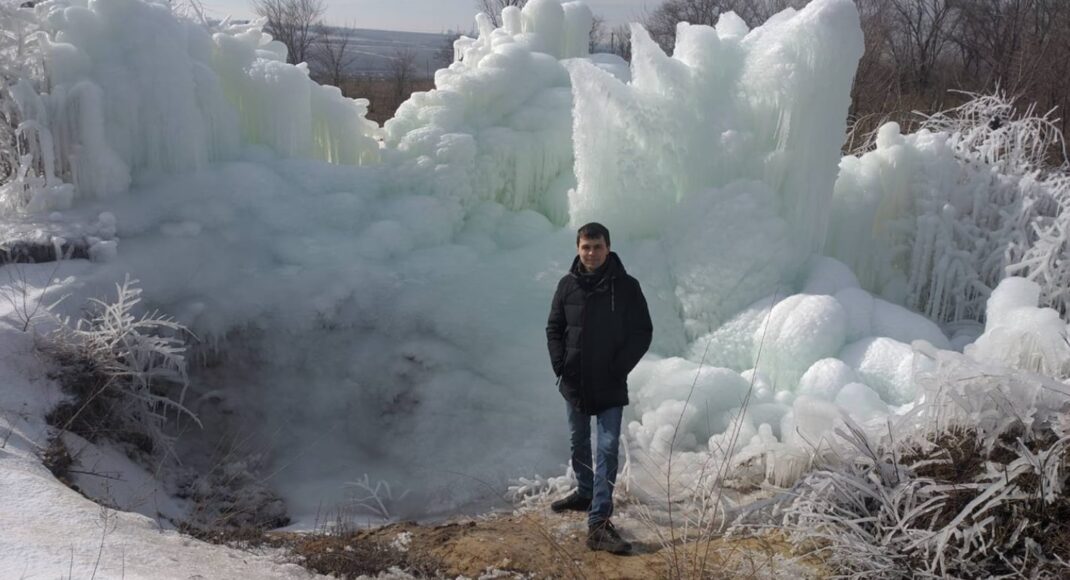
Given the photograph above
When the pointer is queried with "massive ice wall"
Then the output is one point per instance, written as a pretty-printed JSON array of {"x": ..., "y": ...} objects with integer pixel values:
[
  {"x": 132, "y": 91},
  {"x": 728, "y": 147},
  {"x": 498, "y": 124}
]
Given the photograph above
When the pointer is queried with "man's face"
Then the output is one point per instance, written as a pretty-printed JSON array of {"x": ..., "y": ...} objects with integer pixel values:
[{"x": 592, "y": 252}]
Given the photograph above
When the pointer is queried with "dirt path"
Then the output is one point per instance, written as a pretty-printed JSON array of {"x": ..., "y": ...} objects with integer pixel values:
[{"x": 545, "y": 545}]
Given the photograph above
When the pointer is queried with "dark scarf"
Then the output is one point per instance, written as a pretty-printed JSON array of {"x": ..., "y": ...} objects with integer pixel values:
[{"x": 591, "y": 281}]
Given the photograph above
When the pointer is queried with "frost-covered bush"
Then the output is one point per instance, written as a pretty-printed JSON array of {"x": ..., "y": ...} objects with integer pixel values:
[
  {"x": 969, "y": 484},
  {"x": 127, "y": 372},
  {"x": 935, "y": 219}
]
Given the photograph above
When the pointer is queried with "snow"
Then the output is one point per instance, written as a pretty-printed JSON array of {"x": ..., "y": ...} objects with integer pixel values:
[{"x": 374, "y": 311}]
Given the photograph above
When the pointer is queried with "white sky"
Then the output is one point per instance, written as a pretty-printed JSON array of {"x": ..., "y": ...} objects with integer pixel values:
[{"x": 422, "y": 15}]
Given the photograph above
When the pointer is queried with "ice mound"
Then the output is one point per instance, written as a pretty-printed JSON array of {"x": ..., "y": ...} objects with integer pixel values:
[{"x": 808, "y": 362}]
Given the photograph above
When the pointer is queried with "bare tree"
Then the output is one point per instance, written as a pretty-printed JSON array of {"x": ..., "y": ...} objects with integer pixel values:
[
  {"x": 493, "y": 8},
  {"x": 662, "y": 21},
  {"x": 445, "y": 54},
  {"x": 921, "y": 33},
  {"x": 293, "y": 23},
  {"x": 330, "y": 54},
  {"x": 402, "y": 72},
  {"x": 916, "y": 51},
  {"x": 620, "y": 41},
  {"x": 597, "y": 37}
]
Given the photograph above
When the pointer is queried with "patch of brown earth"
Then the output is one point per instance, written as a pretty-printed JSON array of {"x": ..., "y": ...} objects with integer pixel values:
[{"x": 538, "y": 545}]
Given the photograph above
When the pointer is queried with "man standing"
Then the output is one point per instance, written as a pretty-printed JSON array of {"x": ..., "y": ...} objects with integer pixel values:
[{"x": 599, "y": 328}]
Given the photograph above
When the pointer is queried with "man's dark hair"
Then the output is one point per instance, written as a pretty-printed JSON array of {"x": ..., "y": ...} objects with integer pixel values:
[{"x": 593, "y": 231}]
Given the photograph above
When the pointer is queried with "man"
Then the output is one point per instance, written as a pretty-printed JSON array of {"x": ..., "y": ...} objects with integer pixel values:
[{"x": 599, "y": 328}]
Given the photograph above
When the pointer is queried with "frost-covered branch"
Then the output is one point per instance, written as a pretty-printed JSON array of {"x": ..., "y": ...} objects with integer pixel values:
[{"x": 123, "y": 366}]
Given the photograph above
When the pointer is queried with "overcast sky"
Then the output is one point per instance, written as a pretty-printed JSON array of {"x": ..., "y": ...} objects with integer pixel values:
[{"x": 421, "y": 15}]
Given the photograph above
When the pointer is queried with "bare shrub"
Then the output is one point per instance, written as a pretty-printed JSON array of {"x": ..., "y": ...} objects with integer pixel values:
[
  {"x": 402, "y": 70},
  {"x": 331, "y": 54}
]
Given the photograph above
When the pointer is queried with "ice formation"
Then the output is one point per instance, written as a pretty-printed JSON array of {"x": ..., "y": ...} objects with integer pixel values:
[
  {"x": 935, "y": 219},
  {"x": 498, "y": 124},
  {"x": 134, "y": 92},
  {"x": 736, "y": 127},
  {"x": 387, "y": 320},
  {"x": 1021, "y": 335}
]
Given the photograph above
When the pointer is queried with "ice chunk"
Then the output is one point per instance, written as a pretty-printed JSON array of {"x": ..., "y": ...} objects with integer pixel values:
[
  {"x": 656, "y": 431},
  {"x": 498, "y": 124},
  {"x": 761, "y": 389},
  {"x": 811, "y": 423},
  {"x": 711, "y": 390},
  {"x": 802, "y": 329},
  {"x": 895, "y": 321},
  {"x": 861, "y": 402},
  {"x": 1021, "y": 335},
  {"x": 824, "y": 379},
  {"x": 884, "y": 364},
  {"x": 870, "y": 316}
]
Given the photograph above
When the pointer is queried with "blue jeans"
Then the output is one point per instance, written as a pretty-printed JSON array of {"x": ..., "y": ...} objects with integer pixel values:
[{"x": 597, "y": 483}]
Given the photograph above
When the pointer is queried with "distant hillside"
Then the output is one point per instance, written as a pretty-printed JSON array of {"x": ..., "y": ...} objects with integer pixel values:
[{"x": 373, "y": 50}]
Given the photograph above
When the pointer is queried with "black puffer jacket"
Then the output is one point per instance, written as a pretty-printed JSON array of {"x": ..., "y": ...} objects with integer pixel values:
[{"x": 599, "y": 328}]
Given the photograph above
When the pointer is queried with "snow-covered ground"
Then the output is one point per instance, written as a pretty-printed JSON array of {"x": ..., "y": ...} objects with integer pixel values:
[{"x": 370, "y": 302}]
